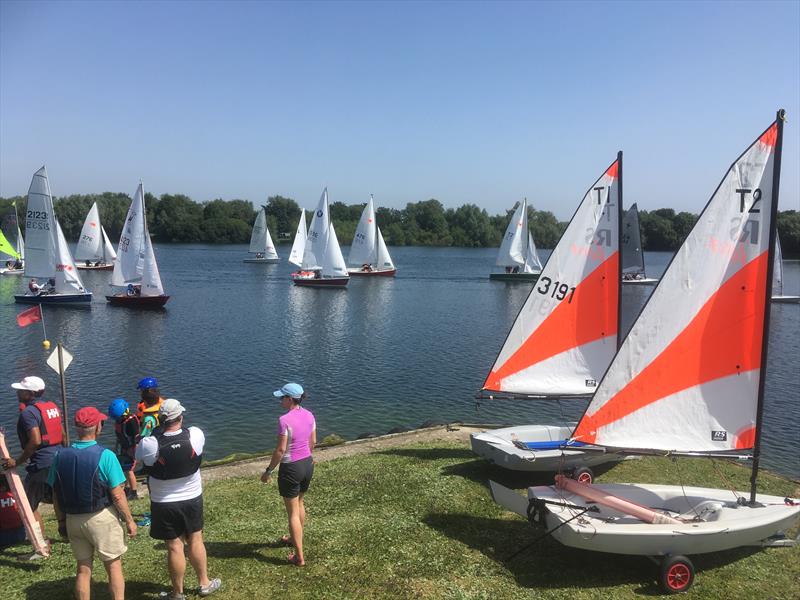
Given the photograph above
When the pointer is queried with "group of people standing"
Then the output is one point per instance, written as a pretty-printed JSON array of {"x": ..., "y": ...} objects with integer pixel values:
[{"x": 89, "y": 485}]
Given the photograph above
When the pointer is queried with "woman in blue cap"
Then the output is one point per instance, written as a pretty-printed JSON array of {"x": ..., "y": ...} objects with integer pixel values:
[{"x": 297, "y": 436}]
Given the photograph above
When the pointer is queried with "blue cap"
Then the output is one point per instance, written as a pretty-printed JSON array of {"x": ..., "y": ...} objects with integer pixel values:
[
  {"x": 117, "y": 408},
  {"x": 147, "y": 383},
  {"x": 295, "y": 390}
]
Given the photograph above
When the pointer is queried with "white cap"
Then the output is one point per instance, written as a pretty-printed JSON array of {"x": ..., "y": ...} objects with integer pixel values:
[
  {"x": 171, "y": 409},
  {"x": 32, "y": 384}
]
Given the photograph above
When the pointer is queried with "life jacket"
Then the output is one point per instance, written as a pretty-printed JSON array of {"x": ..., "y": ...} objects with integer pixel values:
[
  {"x": 78, "y": 485},
  {"x": 127, "y": 442},
  {"x": 51, "y": 430},
  {"x": 9, "y": 515},
  {"x": 143, "y": 410},
  {"x": 176, "y": 457}
]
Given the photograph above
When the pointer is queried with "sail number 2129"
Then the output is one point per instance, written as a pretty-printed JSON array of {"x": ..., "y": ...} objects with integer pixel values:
[{"x": 555, "y": 289}]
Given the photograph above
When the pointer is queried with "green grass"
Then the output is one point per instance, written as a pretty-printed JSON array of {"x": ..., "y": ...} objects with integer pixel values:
[{"x": 417, "y": 522}]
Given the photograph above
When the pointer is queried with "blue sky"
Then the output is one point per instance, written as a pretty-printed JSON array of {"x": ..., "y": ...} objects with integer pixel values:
[{"x": 463, "y": 102}]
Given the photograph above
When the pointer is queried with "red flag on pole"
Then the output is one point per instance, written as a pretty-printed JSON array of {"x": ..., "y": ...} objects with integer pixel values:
[{"x": 32, "y": 315}]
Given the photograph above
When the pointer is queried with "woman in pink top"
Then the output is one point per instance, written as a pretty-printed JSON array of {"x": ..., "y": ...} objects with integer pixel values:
[{"x": 297, "y": 436}]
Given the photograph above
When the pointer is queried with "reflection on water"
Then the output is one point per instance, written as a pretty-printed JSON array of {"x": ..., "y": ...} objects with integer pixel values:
[{"x": 385, "y": 352}]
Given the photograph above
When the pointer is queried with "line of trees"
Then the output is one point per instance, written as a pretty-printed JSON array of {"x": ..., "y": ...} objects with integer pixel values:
[{"x": 177, "y": 218}]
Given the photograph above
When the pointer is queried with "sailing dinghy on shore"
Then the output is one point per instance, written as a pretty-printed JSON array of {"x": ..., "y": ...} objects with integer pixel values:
[
  {"x": 517, "y": 254},
  {"x": 368, "y": 251},
  {"x": 323, "y": 264},
  {"x": 563, "y": 338},
  {"x": 633, "y": 271},
  {"x": 688, "y": 380},
  {"x": 261, "y": 241},
  {"x": 94, "y": 251}
]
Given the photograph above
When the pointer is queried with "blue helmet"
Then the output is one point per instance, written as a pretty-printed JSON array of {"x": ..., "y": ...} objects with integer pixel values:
[
  {"x": 147, "y": 383},
  {"x": 117, "y": 408}
]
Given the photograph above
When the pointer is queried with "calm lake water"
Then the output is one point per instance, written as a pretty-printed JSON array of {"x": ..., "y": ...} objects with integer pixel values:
[{"x": 383, "y": 353}]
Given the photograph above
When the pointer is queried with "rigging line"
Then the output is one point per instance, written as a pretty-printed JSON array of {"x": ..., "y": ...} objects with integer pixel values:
[
  {"x": 683, "y": 490},
  {"x": 546, "y": 533},
  {"x": 725, "y": 480}
]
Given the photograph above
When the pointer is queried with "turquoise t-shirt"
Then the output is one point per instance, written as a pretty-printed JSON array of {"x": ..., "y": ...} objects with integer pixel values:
[{"x": 110, "y": 471}]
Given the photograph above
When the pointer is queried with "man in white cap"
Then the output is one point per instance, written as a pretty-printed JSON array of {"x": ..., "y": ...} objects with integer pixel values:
[
  {"x": 40, "y": 430},
  {"x": 172, "y": 456}
]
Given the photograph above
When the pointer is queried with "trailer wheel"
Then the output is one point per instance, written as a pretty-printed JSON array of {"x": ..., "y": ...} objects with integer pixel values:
[
  {"x": 583, "y": 475},
  {"x": 677, "y": 574}
]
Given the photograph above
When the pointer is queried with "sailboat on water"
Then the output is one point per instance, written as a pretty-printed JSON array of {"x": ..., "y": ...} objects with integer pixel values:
[
  {"x": 688, "y": 380},
  {"x": 136, "y": 269},
  {"x": 12, "y": 245},
  {"x": 299, "y": 244},
  {"x": 518, "y": 255},
  {"x": 633, "y": 271},
  {"x": 94, "y": 251},
  {"x": 368, "y": 252},
  {"x": 323, "y": 264},
  {"x": 47, "y": 256},
  {"x": 261, "y": 241},
  {"x": 777, "y": 278},
  {"x": 564, "y": 336}
]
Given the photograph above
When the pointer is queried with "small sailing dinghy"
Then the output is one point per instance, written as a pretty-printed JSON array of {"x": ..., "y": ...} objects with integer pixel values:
[
  {"x": 368, "y": 253},
  {"x": 688, "y": 380},
  {"x": 47, "y": 257},
  {"x": 564, "y": 336},
  {"x": 299, "y": 244},
  {"x": 517, "y": 254},
  {"x": 94, "y": 251},
  {"x": 323, "y": 264},
  {"x": 261, "y": 241},
  {"x": 136, "y": 269},
  {"x": 12, "y": 245},
  {"x": 633, "y": 271},
  {"x": 777, "y": 278}
]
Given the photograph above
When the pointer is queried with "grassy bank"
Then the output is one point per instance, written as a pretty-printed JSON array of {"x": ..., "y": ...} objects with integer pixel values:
[{"x": 416, "y": 522}]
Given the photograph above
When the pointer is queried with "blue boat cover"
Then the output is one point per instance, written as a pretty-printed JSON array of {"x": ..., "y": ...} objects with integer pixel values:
[{"x": 551, "y": 445}]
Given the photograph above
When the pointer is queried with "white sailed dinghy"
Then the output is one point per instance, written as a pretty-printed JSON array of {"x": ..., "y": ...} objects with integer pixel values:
[
  {"x": 633, "y": 271},
  {"x": 687, "y": 380},
  {"x": 94, "y": 251},
  {"x": 564, "y": 336},
  {"x": 323, "y": 264},
  {"x": 261, "y": 241},
  {"x": 517, "y": 255},
  {"x": 12, "y": 245},
  {"x": 368, "y": 253},
  {"x": 299, "y": 244},
  {"x": 777, "y": 278},
  {"x": 47, "y": 256}
]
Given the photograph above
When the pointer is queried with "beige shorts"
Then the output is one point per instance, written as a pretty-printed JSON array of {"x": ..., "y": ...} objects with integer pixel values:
[{"x": 101, "y": 532}]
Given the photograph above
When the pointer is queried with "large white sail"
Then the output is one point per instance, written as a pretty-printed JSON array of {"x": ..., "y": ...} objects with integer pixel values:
[
  {"x": 384, "y": 260},
  {"x": 108, "y": 250},
  {"x": 532, "y": 262},
  {"x": 66, "y": 275},
  {"x": 130, "y": 252},
  {"x": 151, "y": 278},
  {"x": 777, "y": 269},
  {"x": 512, "y": 249},
  {"x": 566, "y": 333},
  {"x": 90, "y": 243},
  {"x": 686, "y": 378},
  {"x": 40, "y": 229},
  {"x": 333, "y": 264},
  {"x": 364, "y": 248},
  {"x": 258, "y": 239},
  {"x": 317, "y": 239},
  {"x": 632, "y": 255},
  {"x": 299, "y": 245}
]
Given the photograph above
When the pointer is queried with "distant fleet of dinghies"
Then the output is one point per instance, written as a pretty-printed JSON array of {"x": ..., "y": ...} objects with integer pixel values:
[
  {"x": 12, "y": 244},
  {"x": 261, "y": 241},
  {"x": 517, "y": 255},
  {"x": 94, "y": 251},
  {"x": 369, "y": 255},
  {"x": 688, "y": 380}
]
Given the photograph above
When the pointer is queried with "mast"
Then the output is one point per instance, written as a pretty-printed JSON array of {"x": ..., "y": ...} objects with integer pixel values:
[
  {"x": 525, "y": 234},
  {"x": 619, "y": 248},
  {"x": 773, "y": 232}
]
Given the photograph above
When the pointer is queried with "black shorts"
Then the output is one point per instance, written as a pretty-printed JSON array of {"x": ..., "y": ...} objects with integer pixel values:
[
  {"x": 36, "y": 488},
  {"x": 171, "y": 520},
  {"x": 295, "y": 477}
]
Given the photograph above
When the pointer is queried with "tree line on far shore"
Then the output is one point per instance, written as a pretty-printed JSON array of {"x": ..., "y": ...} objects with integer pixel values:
[{"x": 177, "y": 218}]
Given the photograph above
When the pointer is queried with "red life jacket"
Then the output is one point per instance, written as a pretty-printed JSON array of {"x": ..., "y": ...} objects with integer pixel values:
[
  {"x": 52, "y": 434},
  {"x": 127, "y": 442},
  {"x": 9, "y": 517}
]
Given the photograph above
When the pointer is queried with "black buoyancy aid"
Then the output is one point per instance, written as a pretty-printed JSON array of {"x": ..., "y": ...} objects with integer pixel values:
[
  {"x": 78, "y": 485},
  {"x": 126, "y": 440},
  {"x": 51, "y": 430},
  {"x": 176, "y": 457}
]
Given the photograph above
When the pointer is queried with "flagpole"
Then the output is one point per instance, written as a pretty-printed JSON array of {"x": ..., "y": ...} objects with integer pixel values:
[
  {"x": 63, "y": 392},
  {"x": 46, "y": 342}
]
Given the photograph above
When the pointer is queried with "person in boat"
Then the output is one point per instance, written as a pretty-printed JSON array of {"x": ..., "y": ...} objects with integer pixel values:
[
  {"x": 515, "y": 270},
  {"x": 51, "y": 286},
  {"x": 259, "y": 255},
  {"x": 35, "y": 288},
  {"x": 297, "y": 436},
  {"x": 133, "y": 290},
  {"x": 127, "y": 429},
  {"x": 317, "y": 274},
  {"x": 172, "y": 456},
  {"x": 99, "y": 263},
  {"x": 12, "y": 531},
  {"x": 149, "y": 408},
  {"x": 90, "y": 504},
  {"x": 88, "y": 263},
  {"x": 9, "y": 264},
  {"x": 366, "y": 267},
  {"x": 508, "y": 269},
  {"x": 18, "y": 264},
  {"x": 40, "y": 431}
]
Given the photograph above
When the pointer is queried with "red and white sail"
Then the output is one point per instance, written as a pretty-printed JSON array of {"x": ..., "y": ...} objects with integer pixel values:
[
  {"x": 686, "y": 378},
  {"x": 566, "y": 333}
]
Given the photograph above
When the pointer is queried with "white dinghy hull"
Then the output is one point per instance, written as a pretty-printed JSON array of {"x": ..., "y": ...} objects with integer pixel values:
[{"x": 721, "y": 522}]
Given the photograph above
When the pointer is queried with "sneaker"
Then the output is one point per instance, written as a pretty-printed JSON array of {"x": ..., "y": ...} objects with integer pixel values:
[
  {"x": 172, "y": 596},
  {"x": 213, "y": 586},
  {"x": 33, "y": 557}
]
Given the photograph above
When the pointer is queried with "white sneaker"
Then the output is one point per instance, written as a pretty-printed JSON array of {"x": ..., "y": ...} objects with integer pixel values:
[{"x": 213, "y": 586}]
